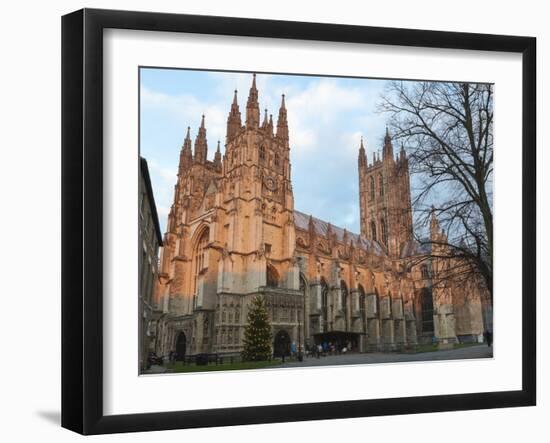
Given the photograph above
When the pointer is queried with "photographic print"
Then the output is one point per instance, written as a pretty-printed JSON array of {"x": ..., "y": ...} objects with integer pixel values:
[{"x": 291, "y": 221}]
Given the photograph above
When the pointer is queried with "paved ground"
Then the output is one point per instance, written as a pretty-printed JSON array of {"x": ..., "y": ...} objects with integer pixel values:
[{"x": 481, "y": 351}]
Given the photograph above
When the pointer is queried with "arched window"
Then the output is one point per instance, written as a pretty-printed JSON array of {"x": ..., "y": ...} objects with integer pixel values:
[
  {"x": 371, "y": 188},
  {"x": 384, "y": 229},
  {"x": 362, "y": 307},
  {"x": 427, "y": 311},
  {"x": 262, "y": 153},
  {"x": 373, "y": 230},
  {"x": 272, "y": 277},
  {"x": 380, "y": 184},
  {"x": 324, "y": 304},
  {"x": 277, "y": 160},
  {"x": 199, "y": 263},
  {"x": 425, "y": 271},
  {"x": 344, "y": 289},
  {"x": 303, "y": 284},
  {"x": 377, "y": 301}
]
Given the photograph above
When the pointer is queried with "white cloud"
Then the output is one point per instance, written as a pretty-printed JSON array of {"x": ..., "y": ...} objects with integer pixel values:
[
  {"x": 187, "y": 110},
  {"x": 327, "y": 117}
]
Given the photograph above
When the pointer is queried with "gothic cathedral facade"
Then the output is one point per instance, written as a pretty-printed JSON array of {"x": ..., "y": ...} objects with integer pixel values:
[{"x": 233, "y": 233}]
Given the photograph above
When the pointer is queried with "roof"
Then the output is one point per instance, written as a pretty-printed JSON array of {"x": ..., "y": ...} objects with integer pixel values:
[
  {"x": 413, "y": 247},
  {"x": 147, "y": 179},
  {"x": 301, "y": 221}
]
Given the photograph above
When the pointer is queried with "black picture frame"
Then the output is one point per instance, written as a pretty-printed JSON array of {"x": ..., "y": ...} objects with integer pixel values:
[{"x": 82, "y": 219}]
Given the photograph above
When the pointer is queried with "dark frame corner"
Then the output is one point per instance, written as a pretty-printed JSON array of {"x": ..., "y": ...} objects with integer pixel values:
[{"x": 82, "y": 151}]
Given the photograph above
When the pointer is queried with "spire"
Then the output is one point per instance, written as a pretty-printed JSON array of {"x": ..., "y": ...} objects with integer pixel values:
[
  {"x": 270, "y": 124},
  {"x": 387, "y": 152},
  {"x": 187, "y": 141},
  {"x": 201, "y": 146},
  {"x": 434, "y": 225},
  {"x": 402, "y": 153},
  {"x": 282, "y": 123},
  {"x": 234, "y": 119},
  {"x": 186, "y": 155},
  {"x": 265, "y": 122},
  {"x": 218, "y": 157},
  {"x": 362, "y": 154},
  {"x": 252, "y": 106}
]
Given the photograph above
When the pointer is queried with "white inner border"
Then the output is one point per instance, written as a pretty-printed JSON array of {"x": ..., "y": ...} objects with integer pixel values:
[{"x": 125, "y": 392}]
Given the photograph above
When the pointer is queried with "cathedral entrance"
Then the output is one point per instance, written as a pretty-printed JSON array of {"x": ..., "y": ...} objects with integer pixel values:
[
  {"x": 181, "y": 346},
  {"x": 339, "y": 340},
  {"x": 281, "y": 344}
]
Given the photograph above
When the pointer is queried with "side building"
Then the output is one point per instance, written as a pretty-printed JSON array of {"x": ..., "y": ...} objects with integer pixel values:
[{"x": 150, "y": 239}]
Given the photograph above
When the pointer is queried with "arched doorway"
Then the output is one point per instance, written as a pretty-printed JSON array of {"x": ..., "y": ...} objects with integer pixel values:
[
  {"x": 181, "y": 346},
  {"x": 281, "y": 344}
]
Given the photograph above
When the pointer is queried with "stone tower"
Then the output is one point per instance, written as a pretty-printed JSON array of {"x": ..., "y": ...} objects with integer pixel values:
[
  {"x": 257, "y": 194},
  {"x": 385, "y": 197}
]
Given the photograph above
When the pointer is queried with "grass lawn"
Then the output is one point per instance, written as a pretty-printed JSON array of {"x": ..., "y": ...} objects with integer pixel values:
[{"x": 180, "y": 367}]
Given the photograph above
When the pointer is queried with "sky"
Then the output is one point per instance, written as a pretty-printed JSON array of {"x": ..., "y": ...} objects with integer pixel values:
[{"x": 326, "y": 119}]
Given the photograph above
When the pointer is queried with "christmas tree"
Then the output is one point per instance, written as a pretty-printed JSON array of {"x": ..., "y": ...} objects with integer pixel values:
[{"x": 257, "y": 334}]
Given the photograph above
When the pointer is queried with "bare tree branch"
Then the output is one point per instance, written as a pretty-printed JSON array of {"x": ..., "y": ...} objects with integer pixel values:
[{"x": 447, "y": 131}]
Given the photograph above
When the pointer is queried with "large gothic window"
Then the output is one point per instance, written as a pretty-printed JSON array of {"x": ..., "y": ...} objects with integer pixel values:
[
  {"x": 324, "y": 304},
  {"x": 380, "y": 184},
  {"x": 344, "y": 290},
  {"x": 272, "y": 277},
  {"x": 372, "y": 192},
  {"x": 362, "y": 307},
  {"x": 425, "y": 271},
  {"x": 384, "y": 232},
  {"x": 277, "y": 160},
  {"x": 199, "y": 263},
  {"x": 262, "y": 153},
  {"x": 427, "y": 312}
]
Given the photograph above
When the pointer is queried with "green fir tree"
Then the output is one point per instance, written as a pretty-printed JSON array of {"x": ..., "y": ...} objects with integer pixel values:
[{"x": 257, "y": 334}]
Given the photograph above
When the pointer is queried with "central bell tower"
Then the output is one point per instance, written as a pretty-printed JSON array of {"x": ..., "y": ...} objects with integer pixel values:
[{"x": 257, "y": 193}]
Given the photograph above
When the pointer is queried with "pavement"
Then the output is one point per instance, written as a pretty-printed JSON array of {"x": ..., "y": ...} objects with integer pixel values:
[
  {"x": 469, "y": 352},
  {"x": 155, "y": 369}
]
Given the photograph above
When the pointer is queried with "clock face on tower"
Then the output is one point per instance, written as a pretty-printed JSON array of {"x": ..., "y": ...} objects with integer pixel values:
[{"x": 270, "y": 183}]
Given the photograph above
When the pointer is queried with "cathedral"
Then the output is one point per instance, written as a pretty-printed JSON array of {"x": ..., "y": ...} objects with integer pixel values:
[{"x": 233, "y": 233}]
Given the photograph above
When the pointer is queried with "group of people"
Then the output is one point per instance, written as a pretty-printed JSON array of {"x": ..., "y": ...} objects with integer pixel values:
[{"x": 328, "y": 348}]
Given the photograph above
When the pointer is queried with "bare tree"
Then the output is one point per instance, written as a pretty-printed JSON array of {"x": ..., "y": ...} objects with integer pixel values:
[{"x": 447, "y": 131}]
